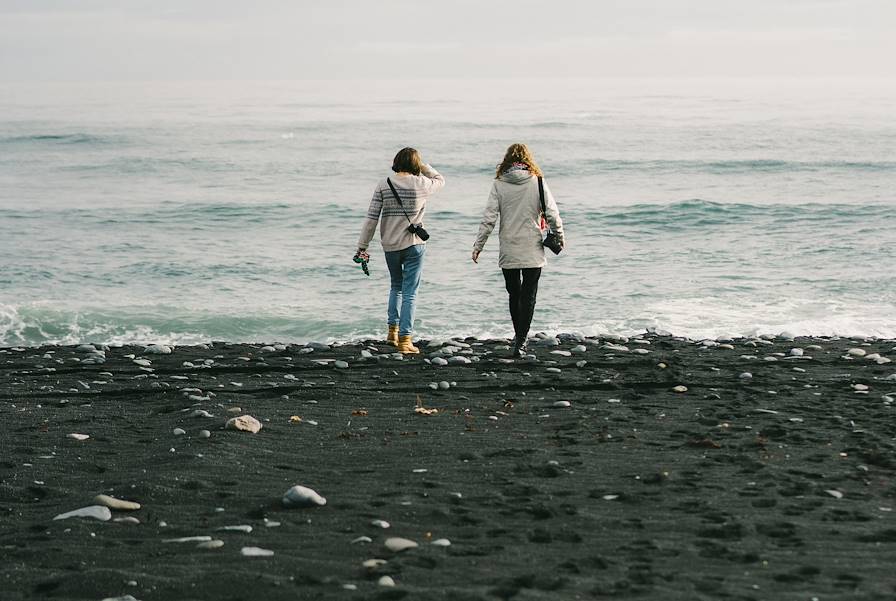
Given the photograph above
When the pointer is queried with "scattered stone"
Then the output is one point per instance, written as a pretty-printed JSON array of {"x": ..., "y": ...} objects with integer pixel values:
[
  {"x": 362, "y": 539},
  {"x": 79, "y": 436},
  {"x": 746, "y": 376},
  {"x": 97, "y": 512},
  {"x": 142, "y": 362},
  {"x": 398, "y": 544},
  {"x": 680, "y": 388},
  {"x": 178, "y": 431},
  {"x": 204, "y": 434},
  {"x": 856, "y": 352},
  {"x": 211, "y": 544},
  {"x": 372, "y": 564},
  {"x": 439, "y": 361},
  {"x": 187, "y": 539},
  {"x": 796, "y": 352},
  {"x": 562, "y": 404},
  {"x": 380, "y": 523},
  {"x": 157, "y": 349},
  {"x": 385, "y": 581},
  {"x": 835, "y": 493},
  {"x": 127, "y": 520},
  {"x": 441, "y": 542},
  {"x": 245, "y": 423},
  {"x": 255, "y": 552},
  {"x": 341, "y": 364},
  {"x": 444, "y": 385},
  {"x": 121, "y": 598},
  {"x": 581, "y": 363},
  {"x": 578, "y": 349},
  {"x": 302, "y": 496},
  {"x": 617, "y": 348},
  {"x": 241, "y": 528},
  {"x": 113, "y": 503},
  {"x": 859, "y": 387}
]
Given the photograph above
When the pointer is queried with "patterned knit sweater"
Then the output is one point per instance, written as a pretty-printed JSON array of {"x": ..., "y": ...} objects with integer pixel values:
[{"x": 413, "y": 191}]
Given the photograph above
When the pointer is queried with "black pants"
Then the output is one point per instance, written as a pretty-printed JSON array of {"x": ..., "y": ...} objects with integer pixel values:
[{"x": 522, "y": 286}]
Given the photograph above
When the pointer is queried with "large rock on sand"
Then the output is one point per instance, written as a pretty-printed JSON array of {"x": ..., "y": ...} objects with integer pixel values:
[
  {"x": 246, "y": 423},
  {"x": 302, "y": 496}
]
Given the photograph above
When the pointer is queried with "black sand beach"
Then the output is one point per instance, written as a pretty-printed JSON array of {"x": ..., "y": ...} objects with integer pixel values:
[{"x": 775, "y": 486}]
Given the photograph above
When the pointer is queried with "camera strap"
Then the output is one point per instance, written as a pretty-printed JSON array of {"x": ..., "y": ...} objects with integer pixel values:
[{"x": 395, "y": 194}]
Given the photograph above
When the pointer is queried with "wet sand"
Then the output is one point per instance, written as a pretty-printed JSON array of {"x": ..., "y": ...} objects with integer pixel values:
[{"x": 775, "y": 486}]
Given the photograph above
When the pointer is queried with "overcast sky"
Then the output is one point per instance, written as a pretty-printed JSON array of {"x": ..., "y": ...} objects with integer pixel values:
[{"x": 56, "y": 40}]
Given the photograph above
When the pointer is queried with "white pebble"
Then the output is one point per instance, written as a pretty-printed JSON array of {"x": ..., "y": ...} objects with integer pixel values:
[
  {"x": 380, "y": 523},
  {"x": 255, "y": 552},
  {"x": 97, "y": 512},
  {"x": 372, "y": 564},
  {"x": 241, "y": 528},
  {"x": 302, "y": 496},
  {"x": 398, "y": 544},
  {"x": 385, "y": 581}
]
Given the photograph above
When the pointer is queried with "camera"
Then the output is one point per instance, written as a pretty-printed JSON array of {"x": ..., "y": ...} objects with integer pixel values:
[{"x": 417, "y": 230}]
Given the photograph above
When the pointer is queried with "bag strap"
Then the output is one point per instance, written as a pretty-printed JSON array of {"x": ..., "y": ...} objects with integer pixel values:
[
  {"x": 395, "y": 194},
  {"x": 544, "y": 210}
]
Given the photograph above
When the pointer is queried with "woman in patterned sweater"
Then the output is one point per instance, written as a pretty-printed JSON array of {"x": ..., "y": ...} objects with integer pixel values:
[{"x": 398, "y": 204}]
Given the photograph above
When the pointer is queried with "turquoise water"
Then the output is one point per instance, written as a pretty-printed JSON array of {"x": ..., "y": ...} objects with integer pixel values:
[{"x": 191, "y": 212}]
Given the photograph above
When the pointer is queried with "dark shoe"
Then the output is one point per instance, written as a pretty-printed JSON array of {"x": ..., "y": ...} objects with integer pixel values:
[{"x": 519, "y": 348}]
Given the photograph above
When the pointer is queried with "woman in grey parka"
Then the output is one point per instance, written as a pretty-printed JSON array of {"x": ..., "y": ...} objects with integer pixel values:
[{"x": 515, "y": 199}]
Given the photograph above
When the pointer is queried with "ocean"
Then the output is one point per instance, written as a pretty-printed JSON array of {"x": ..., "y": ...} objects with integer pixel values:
[{"x": 186, "y": 212}]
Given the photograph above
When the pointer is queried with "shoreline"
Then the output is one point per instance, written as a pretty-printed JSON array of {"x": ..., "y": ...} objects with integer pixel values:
[
  {"x": 575, "y": 336},
  {"x": 580, "y": 471}
]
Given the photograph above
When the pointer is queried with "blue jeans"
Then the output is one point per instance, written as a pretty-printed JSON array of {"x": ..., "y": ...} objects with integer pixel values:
[{"x": 405, "y": 268}]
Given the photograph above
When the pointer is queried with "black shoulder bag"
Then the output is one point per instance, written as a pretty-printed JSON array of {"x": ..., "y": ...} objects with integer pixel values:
[
  {"x": 551, "y": 240},
  {"x": 414, "y": 228}
]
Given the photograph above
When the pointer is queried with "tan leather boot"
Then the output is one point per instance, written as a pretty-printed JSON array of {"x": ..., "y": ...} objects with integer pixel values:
[
  {"x": 406, "y": 347},
  {"x": 392, "y": 337}
]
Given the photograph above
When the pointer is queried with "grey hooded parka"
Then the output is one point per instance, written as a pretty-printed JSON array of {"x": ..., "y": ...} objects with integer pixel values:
[{"x": 514, "y": 197}]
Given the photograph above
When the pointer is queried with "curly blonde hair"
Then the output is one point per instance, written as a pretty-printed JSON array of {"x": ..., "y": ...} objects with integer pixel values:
[{"x": 518, "y": 153}]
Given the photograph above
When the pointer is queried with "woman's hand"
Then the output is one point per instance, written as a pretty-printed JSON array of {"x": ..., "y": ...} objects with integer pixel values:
[{"x": 476, "y": 256}]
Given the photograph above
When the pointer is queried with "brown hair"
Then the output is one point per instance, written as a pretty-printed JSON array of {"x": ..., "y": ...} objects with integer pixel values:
[
  {"x": 518, "y": 153},
  {"x": 407, "y": 160}
]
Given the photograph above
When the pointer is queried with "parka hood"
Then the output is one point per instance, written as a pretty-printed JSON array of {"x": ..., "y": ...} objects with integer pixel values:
[{"x": 516, "y": 176}]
